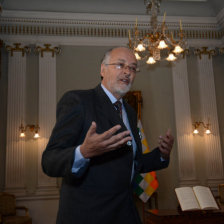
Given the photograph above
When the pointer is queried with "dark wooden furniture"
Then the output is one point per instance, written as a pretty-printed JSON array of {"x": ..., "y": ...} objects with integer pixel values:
[
  {"x": 8, "y": 209},
  {"x": 175, "y": 217}
]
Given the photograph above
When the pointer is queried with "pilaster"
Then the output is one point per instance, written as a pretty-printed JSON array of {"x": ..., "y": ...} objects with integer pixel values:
[
  {"x": 184, "y": 137},
  {"x": 15, "y": 146},
  {"x": 47, "y": 112},
  {"x": 213, "y": 155}
]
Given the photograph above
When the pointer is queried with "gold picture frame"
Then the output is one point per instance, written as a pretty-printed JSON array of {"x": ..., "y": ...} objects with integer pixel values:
[{"x": 134, "y": 98}]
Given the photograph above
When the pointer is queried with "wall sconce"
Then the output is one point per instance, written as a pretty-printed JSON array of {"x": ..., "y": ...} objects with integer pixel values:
[
  {"x": 197, "y": 124},
  {"x": 31, "y": 127}
]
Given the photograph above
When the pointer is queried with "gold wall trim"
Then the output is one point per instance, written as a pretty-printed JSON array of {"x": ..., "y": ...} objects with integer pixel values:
[
  {"x": 47, "y": 48},
  {"x": 17, "y": 48},
  {"x": 205, "y": 51}
]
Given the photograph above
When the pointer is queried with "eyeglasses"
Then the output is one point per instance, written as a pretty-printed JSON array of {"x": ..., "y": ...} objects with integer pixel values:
[{"x": 120, "y": 66}]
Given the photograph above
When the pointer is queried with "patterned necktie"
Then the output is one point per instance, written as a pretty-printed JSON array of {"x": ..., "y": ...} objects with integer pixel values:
[{"x": 118, "y": 107}]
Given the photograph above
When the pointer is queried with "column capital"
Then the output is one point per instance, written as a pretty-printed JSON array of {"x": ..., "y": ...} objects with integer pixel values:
[
  {"x": 47, "y": 48},
  {"x": 18, "y": 48},
  {"x": 204, "y": 51}
]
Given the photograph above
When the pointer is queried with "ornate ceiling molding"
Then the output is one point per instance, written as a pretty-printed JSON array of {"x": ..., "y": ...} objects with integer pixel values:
[
  {"x": 108, "y": 20},
  {"x": 70, "y": 27}
]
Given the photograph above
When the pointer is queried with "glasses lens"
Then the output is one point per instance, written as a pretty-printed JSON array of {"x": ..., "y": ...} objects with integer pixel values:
[{"x": 132, "y": 69}]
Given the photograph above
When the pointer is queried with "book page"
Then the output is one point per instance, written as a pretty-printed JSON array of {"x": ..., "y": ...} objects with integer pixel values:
[
  {"x": 205, "y": 197},
  {"x": 187, "y": 198}
]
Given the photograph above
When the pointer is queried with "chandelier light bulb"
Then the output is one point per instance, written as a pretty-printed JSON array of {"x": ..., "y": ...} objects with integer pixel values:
[
  {"x": 151, "y": 60},
  {"x": 137, "y": 56},
  {"x": 178, "y": 49},
  {"x": 171, "y": 57},
  {"x": 195, "y": 131},
  {"x": 162, "y": 44},
  {"x": 140, "y": 47}
]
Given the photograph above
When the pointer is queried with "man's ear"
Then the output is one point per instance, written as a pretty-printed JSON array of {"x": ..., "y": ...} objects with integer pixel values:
[{"x": 102, "y": 70}]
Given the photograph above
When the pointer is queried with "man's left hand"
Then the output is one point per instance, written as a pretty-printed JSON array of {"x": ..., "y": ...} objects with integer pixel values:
[{"x": 166, "y": 144}]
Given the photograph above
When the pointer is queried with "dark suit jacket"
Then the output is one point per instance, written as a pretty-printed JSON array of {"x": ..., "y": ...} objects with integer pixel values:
[{"x": 100, "y": 193}]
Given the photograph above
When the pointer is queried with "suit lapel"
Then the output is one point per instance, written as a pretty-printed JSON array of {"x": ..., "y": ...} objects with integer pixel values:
[
  {"x": 107, "y": 112},
  {"x": 106, "y": 109}
]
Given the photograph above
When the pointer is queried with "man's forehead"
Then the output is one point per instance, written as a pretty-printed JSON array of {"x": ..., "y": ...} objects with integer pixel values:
[
  {"x": 124, "y": 61},
  {"x": 123, "y": 55}
]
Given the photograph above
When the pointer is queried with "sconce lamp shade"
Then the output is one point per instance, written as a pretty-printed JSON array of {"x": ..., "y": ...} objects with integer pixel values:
[
  {"x": 195, "y": 131},
  {"x": 31, "y": 128},
  {"x": 22, "y": 135},
  {"x": 197, "y": 125},
  {"x": 22, "y": 130},
  {"x": 36, "y": 135}
]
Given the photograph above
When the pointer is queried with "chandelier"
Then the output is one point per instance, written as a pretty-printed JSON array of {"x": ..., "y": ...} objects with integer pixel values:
[{"x": 158, "y": 44}]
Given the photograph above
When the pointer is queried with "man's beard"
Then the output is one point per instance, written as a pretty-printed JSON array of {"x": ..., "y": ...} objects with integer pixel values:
[{"x": 121, "y": 91}]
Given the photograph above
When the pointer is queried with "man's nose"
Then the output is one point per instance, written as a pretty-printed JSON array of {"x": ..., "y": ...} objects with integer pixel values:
[{"x": 127, "y": 70}]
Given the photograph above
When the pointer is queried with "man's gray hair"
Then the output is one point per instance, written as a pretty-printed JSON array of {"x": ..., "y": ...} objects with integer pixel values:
[{"x": 106, "y": 57}]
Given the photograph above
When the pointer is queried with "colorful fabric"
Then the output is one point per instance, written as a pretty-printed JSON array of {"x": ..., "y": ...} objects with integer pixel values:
[{"x": 145, "y": 184}]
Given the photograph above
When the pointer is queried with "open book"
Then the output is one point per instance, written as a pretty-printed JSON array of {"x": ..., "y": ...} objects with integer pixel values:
[{"x": 196, "y": 198}]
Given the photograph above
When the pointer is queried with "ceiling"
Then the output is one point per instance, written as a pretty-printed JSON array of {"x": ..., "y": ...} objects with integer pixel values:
[{"x": 195, "y": 8}]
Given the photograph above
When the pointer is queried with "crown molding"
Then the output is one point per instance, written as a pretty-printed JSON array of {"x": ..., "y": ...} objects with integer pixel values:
[
  {"x": 99, "y": 29},
  {"x": 10, "y": 16},
  {"x": 93, "y": 41},
  {"x": 70, "y": 41}
]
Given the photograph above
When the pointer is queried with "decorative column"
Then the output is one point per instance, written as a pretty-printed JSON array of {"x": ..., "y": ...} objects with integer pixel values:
[
  {"x": 184, "y": 137},
  {"x": 15, "y": 146},
  {"x": 47, "y": 112},
  {"x": 213, "y": 154}
]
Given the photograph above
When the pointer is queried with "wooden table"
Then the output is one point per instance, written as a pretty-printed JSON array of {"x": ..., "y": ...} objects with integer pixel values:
[{"x": 175, "y": 217}]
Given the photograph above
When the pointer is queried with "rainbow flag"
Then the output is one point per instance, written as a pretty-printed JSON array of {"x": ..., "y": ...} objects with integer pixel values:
[{"x": 147, "y": 183}]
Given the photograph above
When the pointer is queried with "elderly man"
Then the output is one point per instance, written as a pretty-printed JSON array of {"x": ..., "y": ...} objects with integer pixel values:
[{"x": 96, "y": 148}]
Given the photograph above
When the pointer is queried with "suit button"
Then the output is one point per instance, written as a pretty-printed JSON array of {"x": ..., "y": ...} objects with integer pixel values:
[{"x": 129, "y": 143}]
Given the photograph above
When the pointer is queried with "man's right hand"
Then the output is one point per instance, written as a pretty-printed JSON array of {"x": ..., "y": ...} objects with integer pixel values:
[{"x": 97, "y": 144}]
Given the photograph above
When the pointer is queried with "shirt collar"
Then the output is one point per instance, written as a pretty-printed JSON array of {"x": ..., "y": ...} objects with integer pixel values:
[{"x": 110, "y": 95}]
